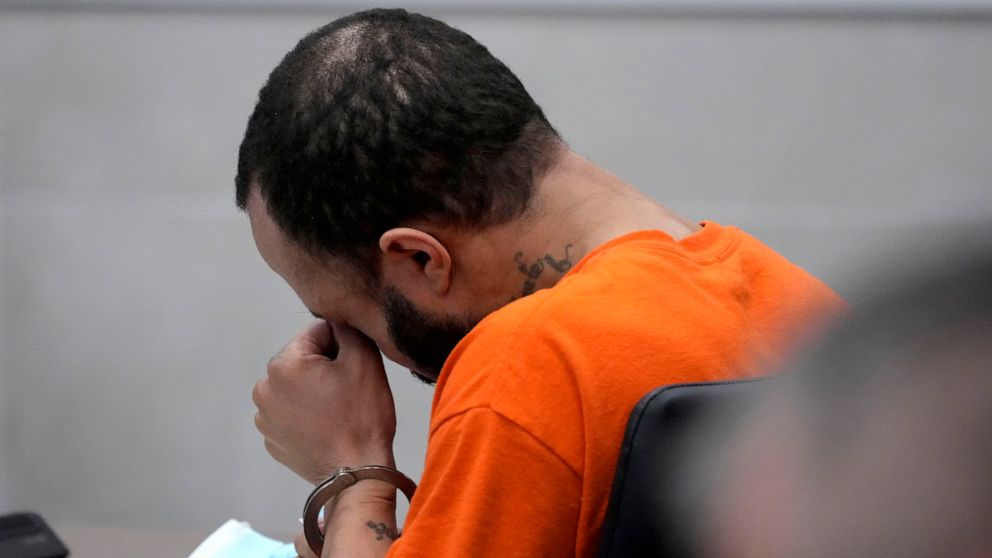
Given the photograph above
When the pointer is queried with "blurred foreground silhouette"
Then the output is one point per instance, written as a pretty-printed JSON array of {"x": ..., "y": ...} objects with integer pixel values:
[{"x": 877, "y": 444}]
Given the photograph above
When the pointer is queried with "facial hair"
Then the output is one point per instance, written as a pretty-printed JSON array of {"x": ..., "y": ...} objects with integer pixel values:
[{"x": 425, "y": 339}]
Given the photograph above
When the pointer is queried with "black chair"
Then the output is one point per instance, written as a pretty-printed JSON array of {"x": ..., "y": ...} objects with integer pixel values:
[{"x": 646, "y": 515}]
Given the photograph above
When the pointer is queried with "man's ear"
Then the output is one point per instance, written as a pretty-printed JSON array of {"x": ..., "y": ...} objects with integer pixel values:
[{"x": 415, "y": 259}]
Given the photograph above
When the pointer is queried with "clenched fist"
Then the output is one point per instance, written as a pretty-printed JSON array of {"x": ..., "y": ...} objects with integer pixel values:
[{"x": 325, "y": 403}]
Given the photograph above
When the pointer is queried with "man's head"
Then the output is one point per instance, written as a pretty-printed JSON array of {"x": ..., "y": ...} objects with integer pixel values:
[
  {"x": 376, "y": 131},
  {"x": 385, "y": 118}
]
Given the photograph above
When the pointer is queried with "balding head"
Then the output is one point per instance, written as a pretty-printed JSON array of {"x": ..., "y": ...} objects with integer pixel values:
[{"x": 386, "y": 118}]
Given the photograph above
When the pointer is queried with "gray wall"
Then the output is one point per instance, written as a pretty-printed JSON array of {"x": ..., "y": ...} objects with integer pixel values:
[
  {"x": 5, "y": 417},
  {"x": 136, "y": 315}
]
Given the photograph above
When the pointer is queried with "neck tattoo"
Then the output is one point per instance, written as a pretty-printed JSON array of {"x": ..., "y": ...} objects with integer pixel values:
[{"x": 534, "y": 270}]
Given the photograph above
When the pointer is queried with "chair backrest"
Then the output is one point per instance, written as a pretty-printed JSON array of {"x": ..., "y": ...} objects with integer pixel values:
[{"x": 644, "y": 517}]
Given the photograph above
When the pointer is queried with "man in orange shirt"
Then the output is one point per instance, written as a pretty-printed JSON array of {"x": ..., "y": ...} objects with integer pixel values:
[{"x": 411, "y": 192}]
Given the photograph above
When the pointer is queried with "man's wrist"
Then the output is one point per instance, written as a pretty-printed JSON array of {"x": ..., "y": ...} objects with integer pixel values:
[
  {"x": 356, "y": 496},
  {"x": 362, "y": 516},
  {"x": 368, "y": 494},
  {"x": 329, "y": 467}
]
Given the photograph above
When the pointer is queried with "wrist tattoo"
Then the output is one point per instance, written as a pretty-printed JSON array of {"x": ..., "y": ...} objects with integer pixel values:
[
  {"x": 533, "y": 271},
  {"x": 382, "y": 531}
]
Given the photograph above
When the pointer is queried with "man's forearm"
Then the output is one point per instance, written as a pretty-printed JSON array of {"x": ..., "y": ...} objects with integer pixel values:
[{"x": 361, "y": 521}]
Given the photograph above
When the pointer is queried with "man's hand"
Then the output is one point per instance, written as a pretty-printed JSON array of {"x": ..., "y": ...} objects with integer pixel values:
[{"x": 325, "y": 403}]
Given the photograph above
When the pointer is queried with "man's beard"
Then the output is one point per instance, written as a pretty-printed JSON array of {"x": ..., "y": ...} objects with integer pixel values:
[{"x": 425, "y": 339}]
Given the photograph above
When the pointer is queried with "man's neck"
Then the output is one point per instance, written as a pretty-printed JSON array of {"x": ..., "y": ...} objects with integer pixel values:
[{"x": 576, "y": 207}]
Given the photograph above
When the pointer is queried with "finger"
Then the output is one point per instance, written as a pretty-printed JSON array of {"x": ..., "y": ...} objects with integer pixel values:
[
  {"x": 275, "y": 451},
  {"x": 276, "y": 357},
  {"x": 302, "y": 548},
  {"x": 269, "y": 429},
  {"x": 352, "y": 342},
  {"x": 259, "y": 393},
  {"x": 318, "y": 339},
  {"x": 263, "y": 425}
]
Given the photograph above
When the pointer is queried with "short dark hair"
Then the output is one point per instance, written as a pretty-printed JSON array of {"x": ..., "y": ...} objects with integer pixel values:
[{"x": 386, "y": 117}]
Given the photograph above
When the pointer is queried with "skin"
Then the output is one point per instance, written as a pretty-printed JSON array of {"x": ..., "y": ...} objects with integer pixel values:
[{"x": 318, "y": 413}]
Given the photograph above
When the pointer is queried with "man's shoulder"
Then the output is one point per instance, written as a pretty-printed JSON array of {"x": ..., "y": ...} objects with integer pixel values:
[
  {"x": 538, "y": 344},
  {"x": 511, "y": 365},
  {"x": 612, "y": 294},
  {"x": 499, "y": 351},
  {"x": 644, "y": 313}
]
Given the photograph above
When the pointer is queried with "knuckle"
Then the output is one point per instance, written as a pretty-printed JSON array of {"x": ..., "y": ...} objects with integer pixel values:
[
  {"x": 258, "y": 392},
  {"x": 274, "y": 365},
  {"x": 272, "y": 448}
]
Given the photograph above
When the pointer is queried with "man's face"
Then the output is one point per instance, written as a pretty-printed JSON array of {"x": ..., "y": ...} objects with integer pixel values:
[
  {"x": 425, "y": 339},
  {"x": 407, "y": 335}
]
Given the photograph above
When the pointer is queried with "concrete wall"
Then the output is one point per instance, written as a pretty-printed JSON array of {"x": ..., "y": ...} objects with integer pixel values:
[{"x": 136, "y": 315}]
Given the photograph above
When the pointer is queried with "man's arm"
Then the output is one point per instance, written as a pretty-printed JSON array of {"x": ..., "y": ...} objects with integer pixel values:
[
  {"x": 325, "y": 403},
  {"x": 361, "y": 522},
  {"x": 491, "y": 488}
]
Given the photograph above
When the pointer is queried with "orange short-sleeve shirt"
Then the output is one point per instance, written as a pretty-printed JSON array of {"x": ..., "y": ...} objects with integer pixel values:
[{"x": 531, "y": 407}]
